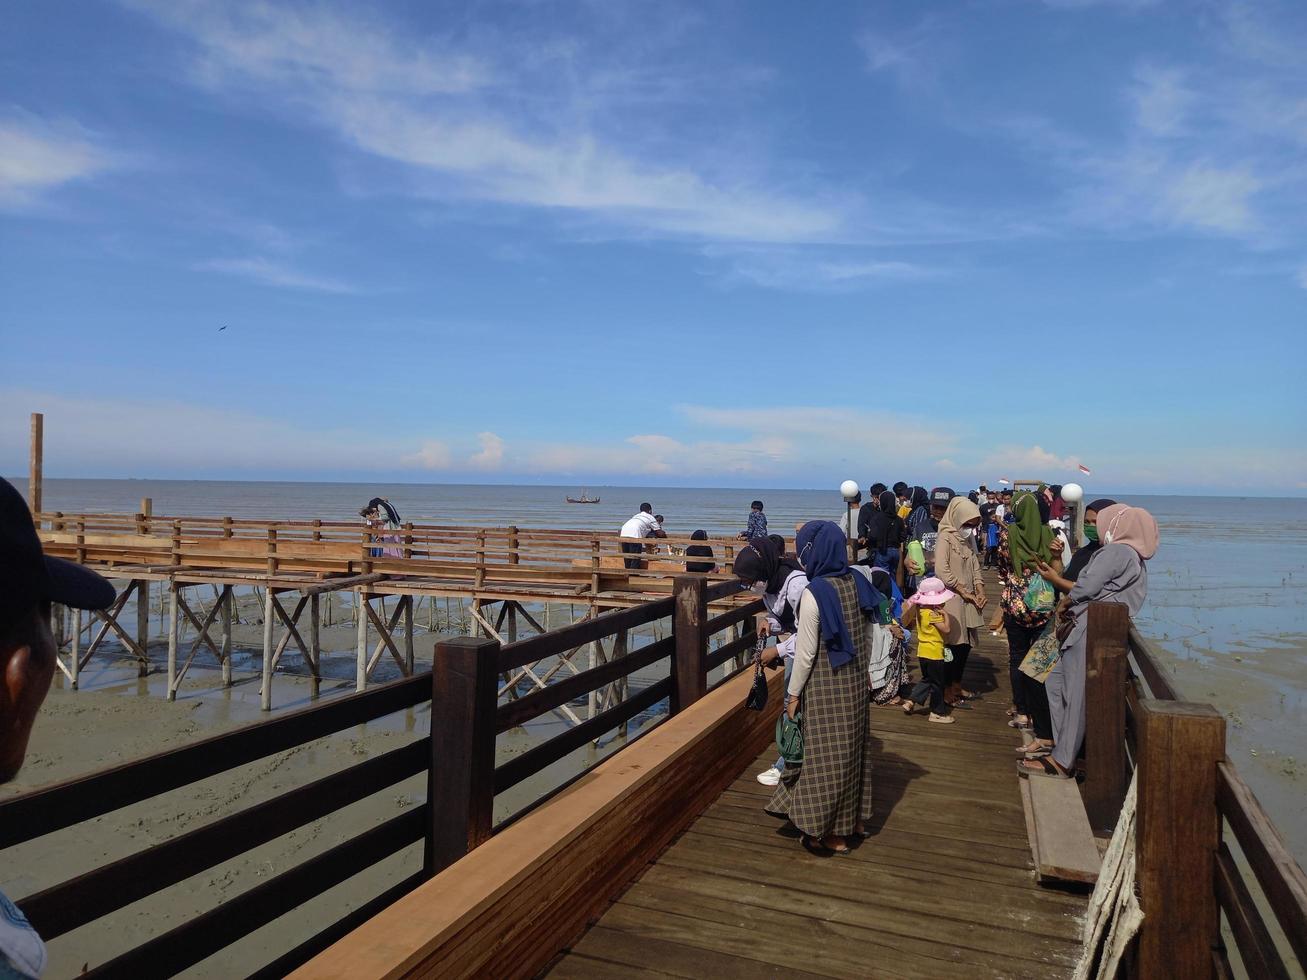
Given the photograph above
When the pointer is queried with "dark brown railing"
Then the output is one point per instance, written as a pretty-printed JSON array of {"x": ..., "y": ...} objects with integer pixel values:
[
  {"x": 457, "y": 815},
  {"x": 1189, "y": 794}
]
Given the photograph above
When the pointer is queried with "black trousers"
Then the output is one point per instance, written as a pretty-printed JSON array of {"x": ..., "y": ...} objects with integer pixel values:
[
  {"x": 961, "y": 651},
  {"x": 1019, "y": 639},
  {"x": 632, "y": 549},
  {"x": 1041, "y": 720},
  {"x": 934, "y": 678}
]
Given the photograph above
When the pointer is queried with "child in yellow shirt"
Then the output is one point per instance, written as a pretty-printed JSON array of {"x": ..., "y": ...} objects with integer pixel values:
[{"x": 923, "y": 613}]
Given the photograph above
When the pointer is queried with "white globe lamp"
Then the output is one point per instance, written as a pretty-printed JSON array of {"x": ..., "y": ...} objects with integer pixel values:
[
  {"x": 1073, "y": 493},
  {"x": 849, "y": 489}
]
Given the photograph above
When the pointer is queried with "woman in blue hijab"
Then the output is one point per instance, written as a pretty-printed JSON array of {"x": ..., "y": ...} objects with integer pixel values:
[{"x": 828, "y": 797}]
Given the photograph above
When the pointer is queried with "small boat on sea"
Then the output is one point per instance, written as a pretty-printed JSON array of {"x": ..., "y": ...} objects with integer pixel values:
[{"x": 585, "y": 498}]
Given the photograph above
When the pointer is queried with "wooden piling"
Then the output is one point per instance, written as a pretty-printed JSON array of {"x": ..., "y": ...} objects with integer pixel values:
[
  {"x": 265, "y": 693},
  {"x": 36, "y": 463},
  {"x": 361, "y": 647},
  {"x": 1177, "y": 837},
  {"x": 315, "y": 643},
  {"x": 173, "y": 627},
  {"x": 75, "y": 647},
  {"x": 228, "y": 599}
]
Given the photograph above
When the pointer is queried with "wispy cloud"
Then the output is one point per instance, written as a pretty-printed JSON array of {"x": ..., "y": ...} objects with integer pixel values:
[
  {"x": 472, "y": 122},
  {"x": 40, "y": 155},
  {"x": 818, "y": 270},
  {"x": 272, "y": 273}
]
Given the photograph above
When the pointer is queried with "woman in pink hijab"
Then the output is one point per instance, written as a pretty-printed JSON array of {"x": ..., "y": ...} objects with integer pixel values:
[{"x": 1117, "y": 573}]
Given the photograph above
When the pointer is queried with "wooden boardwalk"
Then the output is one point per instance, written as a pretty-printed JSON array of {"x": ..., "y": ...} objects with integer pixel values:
[{"x": 944, "y": 886}]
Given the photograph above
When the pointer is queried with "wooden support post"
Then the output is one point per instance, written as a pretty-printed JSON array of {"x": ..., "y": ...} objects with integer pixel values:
[
  {"x": 689, "y": 679},
  {"x": 361, "y": 647},
  {"x": 315, "y": 644},
  {"x": 227, "y": 599},
  {"x": 512, "y": 605},
  {"x": 461, "y": 778},
  {"x": 147, "y": 511},
  {"x": 76, "y": 647},
  {"x": 272, "y": 552},
  {"x": 142, "y": 620},
  {"x": 408, "y": 632},
  {"x": 173, "y": 628},
  {"x": 1178, "y": 833},
  {"x": 36, "y": 463},
  {"x": 265, "y": 693},
  {"x": 1107, "y": 640}
]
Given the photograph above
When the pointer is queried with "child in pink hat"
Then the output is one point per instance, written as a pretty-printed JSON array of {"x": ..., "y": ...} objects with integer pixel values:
[{"x": 923, "y": 613}]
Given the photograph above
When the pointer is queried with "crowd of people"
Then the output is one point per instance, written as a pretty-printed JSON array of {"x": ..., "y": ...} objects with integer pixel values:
[{"x": 844, "y": 628}]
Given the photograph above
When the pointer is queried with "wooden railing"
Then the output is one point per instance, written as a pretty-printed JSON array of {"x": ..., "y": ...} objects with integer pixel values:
[
  {"x": 458, "y": 757},
  {"x": 1189, "y": 794},
  {"x": 480, "y": 556}
]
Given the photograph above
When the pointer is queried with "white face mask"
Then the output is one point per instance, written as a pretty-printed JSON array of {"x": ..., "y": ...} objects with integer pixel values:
[
  {"x": 758, "y": 588},
  {"x": 969, "y": 533}
]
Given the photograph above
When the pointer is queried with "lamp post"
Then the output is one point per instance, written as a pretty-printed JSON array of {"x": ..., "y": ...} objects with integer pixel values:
[
  {"x": 849, "y": 490},
  {"x": 1073, "y": 494}
]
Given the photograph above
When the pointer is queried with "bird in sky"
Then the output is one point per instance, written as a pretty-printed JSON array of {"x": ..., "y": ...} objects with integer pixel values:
[{"x": 222, "y": 328}]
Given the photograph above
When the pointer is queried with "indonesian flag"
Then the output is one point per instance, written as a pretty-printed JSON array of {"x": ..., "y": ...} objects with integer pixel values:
[
  {"x": 1003, "y": 480},
  {"x": 1083, "y": 468}
]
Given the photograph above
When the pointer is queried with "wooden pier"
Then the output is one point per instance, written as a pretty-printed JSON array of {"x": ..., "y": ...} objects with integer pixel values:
[
  {"x": 656, "y": 860},
  {"x": 506, "y": 579}
]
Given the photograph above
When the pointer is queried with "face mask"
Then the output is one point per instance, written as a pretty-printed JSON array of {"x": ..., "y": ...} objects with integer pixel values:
[
  {"x": 758, "y": 588},
  {"x": 969, "y": 533},
  {"x": 1091, "y": 532}
]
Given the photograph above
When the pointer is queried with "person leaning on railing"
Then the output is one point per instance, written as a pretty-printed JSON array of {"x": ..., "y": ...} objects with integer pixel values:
[{"x": 29, "y": 583}]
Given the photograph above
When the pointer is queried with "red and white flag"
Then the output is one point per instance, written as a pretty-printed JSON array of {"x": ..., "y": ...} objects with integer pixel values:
[
  {"x": 1083, "y": 468},
  {"x": 1003, "y": 480}
]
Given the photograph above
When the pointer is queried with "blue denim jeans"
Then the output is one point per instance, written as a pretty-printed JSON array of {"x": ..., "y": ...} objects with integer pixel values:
[
  {"x": 886, "y": 558},
  {"x": 789, "y": 669}
]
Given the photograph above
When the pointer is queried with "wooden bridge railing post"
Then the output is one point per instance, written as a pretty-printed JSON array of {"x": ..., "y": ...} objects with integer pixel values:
[
  {"x": 1177, "y": 836},
  {"x": 461, "y": 776},
  {"x": 689, "y": 678},
  {"x": 1107, "y": 642}
]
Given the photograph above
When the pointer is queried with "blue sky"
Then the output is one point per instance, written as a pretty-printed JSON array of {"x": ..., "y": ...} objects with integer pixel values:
[{"x": 740, "y": 244}]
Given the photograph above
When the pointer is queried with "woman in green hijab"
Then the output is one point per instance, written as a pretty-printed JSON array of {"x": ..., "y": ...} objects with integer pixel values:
[
  {"x": 1028, "y": 537},
  {"x": 1021, "y": 544}
]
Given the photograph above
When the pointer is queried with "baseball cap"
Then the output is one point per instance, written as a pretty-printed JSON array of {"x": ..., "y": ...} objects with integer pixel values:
[
  {"x": 940, "y": 496},
  {"x": 28, "y": 575}
]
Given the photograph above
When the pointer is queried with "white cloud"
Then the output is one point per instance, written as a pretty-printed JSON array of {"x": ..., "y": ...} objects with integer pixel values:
[
  {"x": 1162, "y": 100},
  {"x": 431, "y": 455},
  {"x": 813, "y": 269},
  {"x": 37, "y": 156},
  {"x": 491, "y": 454},
  {"x": 1213, "y": 198},
  {"x": 1027, "y": 462},
  {"x": 468, "y": 127},
  {"x": 270, "y": 273}
]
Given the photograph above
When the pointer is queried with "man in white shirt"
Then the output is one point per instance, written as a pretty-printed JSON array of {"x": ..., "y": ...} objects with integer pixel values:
[{"x": 642, "y": 525}]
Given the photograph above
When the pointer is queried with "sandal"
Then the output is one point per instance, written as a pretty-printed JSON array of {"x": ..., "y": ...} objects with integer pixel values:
[
  {"x": 1019, "y": 721},
  {"x": 1034, "y": 745},
  {"x": 817, "y": 849},
  {"x": 1042, "y": 767},
  {"x": 908, "y": 707}
]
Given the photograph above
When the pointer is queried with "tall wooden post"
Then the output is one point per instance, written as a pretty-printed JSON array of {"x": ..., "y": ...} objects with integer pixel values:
[
  {"x": 461, "y": 777},
  {"x": 146, "y": 512},
  {"x": 143, "y": 621},
  {"x": 173, "y": 628},
  {"x": 689, "y": 678},
  {"x": 1107, "y": 639},
  {"x": 228, "y": 599},
  {"x": 36, "y": 462},
  {"x": 75, "y": 663},
  {"x": 1177, "y": 836},
  {"x": 265, "y": 694},
  {"x": 361, "y": 645},
  {"x": 408, "y": 632},
  {"x": 512, "y": 605},
  {"x": 315, "y": 643}
]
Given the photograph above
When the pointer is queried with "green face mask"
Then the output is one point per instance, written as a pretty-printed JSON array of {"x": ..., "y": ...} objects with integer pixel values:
[{"x": 1091, "y": 532}]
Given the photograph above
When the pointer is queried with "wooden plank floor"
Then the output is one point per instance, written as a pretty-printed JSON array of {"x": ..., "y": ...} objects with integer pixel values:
[{"x": 943, "y": 887}]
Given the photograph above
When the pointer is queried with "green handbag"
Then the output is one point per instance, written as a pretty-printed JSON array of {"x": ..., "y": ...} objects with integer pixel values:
[{"x": 789, "y": 738}]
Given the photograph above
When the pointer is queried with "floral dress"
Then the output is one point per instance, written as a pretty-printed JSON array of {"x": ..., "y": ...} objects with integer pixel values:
[{"x": 1013, "y": 597}]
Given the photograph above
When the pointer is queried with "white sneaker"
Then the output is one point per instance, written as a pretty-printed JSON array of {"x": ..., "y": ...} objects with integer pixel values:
[{"x": 770, "y": 777}]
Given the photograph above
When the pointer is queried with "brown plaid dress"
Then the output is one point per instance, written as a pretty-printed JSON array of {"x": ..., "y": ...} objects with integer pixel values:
[{"x": 831, "y": 791}]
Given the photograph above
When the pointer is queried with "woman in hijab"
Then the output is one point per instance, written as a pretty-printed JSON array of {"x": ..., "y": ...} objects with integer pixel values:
[
  {"x": 766, "y": 571},
  {"x": 1021, "y": 545},
  {"x": 828, "y": 797},
  {"x": 1118, "y": 572},
  {"x": 888, "y": 673},
  {"x": 381, "y": 516},
  {"x": 917, "y": 526},
  {"x": 884, "y": 533},
  {"x": 958, "y": 566},
  {"x": 700, "y": 551},
  {"x": 1041, "y": 718}
]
